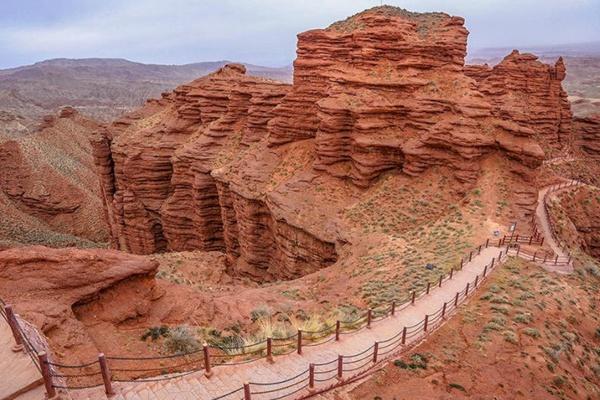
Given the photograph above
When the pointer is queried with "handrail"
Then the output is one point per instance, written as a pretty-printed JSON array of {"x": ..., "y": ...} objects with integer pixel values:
[{"x": 238, "y": 354}]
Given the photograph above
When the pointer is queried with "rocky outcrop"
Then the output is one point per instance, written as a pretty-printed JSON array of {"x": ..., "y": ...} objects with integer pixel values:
[
  {"x": 239, "y": 164},
  {"x": 159, "y": 185},
  {"x": 44, "y": 285},
  {"x": 587, "y": 134},
  {"x": 528, "y": 93},
  {"x": 575, "y": 217}
]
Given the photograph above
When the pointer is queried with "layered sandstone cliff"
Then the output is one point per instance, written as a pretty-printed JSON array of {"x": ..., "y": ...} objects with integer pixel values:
[
  {"x": 261, "y": 170},
  {"x": 587, "y": 131}
]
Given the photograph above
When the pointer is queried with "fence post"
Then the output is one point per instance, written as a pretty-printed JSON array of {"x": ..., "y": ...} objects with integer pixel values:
[
  {"x": 470, "y": 256},
  {"x": 414, "y": 294},
  {"x": 206, "y": 350},
  {"x": 500, "y": 256},
  {"x": 487, "y": 243},
  {"x": 517, "y": 238},
  {"x": 499, "y": 242},
  {"x": 493, "y": 260},
  {"x": 270, "y": 350},
  {"x": 444, "y": 310},
  {"x": 451, "y": 272},
  {"x": 569, "y": 260},
  {"x": 485, "y": 270},
  {"x": 534, "y": 254},
  {"x": 50, "y": 391},
  {"x": 105, "y": 375},
  {"x": 247, "y": 391},
  {"x": 518, "y": 250},
  {"x": 311, "y": 377},
  {"x": 299, "y": 341},
  {"x": 556, "y": 259},
  {"x": 369, "y": 317},
  {"x": 425, "y": 324},
  {"x": 14, "y": 327},
  {"x": 404, "y": 335},
  {"x": 393, "y": 307},
  {"x": 428, "y": 287},
  {"x": 456, "y": 300},
  {"x": 467, "y": 290},
  {"x": 476, "y": 280},
  {"x": 479, "y": 250},
  {"x": 530, "y": 239},
  {"x": 375, "y": 351},
  {"x": 337, "y": 330},
  {"x": 461, "y": 263},
  {"x": 340, "y": 366},
  {"x": 545, "y": 256},
  {"x": 542, "y": 242},
  {"x": 441, "y": 278}
]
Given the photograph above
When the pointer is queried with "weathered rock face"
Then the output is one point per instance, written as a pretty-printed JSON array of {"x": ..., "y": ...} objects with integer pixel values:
[
  {"x": 528, "y": 93},
  {"x": 587, "y": 134},
  {"x": 576, "y": 218},
  {"x": 386, "y": 89},
  {"x": 232, "y": 163},
  {"x": 158, "y": 183},
  {"x": 44, "y": 285}
]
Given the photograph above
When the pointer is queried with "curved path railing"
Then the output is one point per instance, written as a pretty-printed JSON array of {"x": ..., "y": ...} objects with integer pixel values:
[{"x": 320, "y": 374}]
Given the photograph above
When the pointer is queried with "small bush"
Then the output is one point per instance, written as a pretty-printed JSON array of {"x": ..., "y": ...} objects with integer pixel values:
[
  {"x": 259, "y": 312},
  {"x": 155, "y": 332},
  {"x": 510, "y": 337},
  {"x": 418, "y": 361},
  {"x": 501, "y": 308},
  {"x": 523, "y": 318},
  {"x": 532, "y": 332},
  {"x": 182, "y": 340}
]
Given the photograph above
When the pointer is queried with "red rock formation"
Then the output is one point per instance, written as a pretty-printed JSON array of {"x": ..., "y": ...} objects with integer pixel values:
[
  {"x": 529, "y": 94},
  {"x": 45, "y": 284},
  {"x": 587, "y": 133},
  {"x": 235, "y": 163},
  {"x": 576, "y": 219}
]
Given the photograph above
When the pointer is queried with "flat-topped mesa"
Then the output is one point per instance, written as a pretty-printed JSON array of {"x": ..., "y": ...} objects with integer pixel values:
[{"x": 365, "y": 50}]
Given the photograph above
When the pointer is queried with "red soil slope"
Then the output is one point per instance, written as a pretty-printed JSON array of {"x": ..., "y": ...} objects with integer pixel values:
[
  {"x": 49, "y": 192},
  {"x": 531, "y": 335}
]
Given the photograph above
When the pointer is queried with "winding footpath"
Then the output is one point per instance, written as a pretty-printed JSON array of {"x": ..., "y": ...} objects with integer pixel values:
[{"x": 227, "y": 381}]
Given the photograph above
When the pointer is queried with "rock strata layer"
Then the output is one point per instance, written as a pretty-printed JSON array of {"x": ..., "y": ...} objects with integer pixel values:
[{"x": 227, "y": 162}]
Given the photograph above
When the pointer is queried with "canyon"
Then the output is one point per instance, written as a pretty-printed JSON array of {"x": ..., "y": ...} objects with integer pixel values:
[{"x": 239, "y": 207}]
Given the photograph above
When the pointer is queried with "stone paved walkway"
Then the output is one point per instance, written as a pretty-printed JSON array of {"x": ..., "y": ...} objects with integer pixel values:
[
  {"x": 228, "y": 378},
  {"x": 543, "y": 223},
  {"x": 18, "y": 373}
]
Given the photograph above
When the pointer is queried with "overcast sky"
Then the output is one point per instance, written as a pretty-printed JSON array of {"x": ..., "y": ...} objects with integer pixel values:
[{"x": 255, "y": 31}]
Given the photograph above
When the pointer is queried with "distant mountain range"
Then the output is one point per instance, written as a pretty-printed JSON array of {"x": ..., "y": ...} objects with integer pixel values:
[
  {"x": 97, "y": 87},
  {"x": 495, "y": 54}
]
